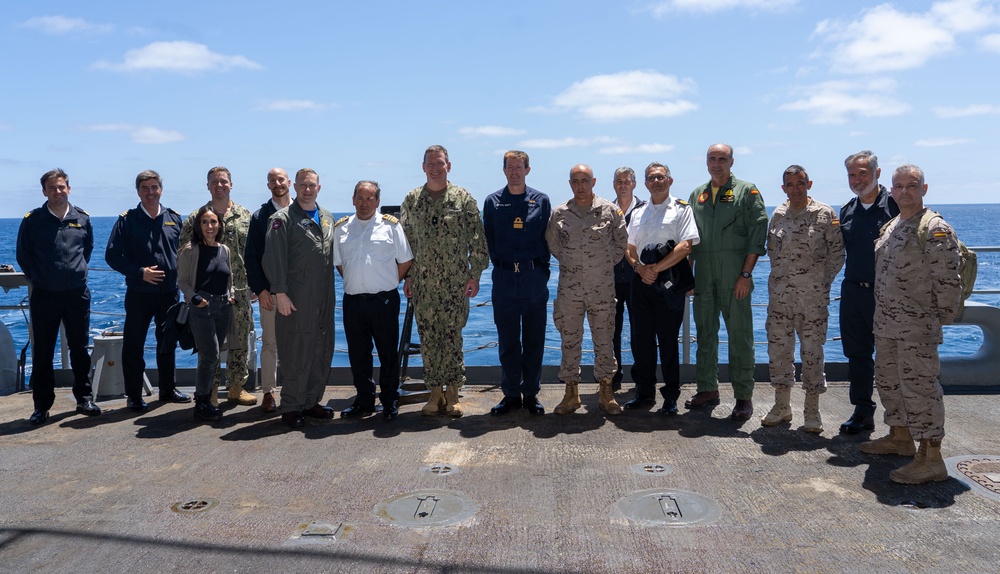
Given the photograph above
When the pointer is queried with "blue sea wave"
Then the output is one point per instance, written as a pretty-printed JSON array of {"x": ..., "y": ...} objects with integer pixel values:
[{"x": 975, "y": 225}]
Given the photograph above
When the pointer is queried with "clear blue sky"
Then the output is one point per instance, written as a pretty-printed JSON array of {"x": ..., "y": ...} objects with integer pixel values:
[{"x": 357, "y": 90}]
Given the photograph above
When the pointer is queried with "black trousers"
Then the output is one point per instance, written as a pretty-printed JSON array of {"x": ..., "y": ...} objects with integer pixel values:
[
  {"x": 374, "y": 318},
  {"x": 623, "y": 298},
  {"x": 857, "y": 325},
  {"x": 140, "y": 309},
  {"x": 48, "y": 309},
  {"x": 655, "y": 323}
]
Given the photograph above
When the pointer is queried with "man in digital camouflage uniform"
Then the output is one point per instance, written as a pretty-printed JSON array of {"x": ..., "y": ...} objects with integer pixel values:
[
  {"x": 732, "y": 225},
  {"x": 806, "y": 249},
  {"x": 442, "y": 222},
  {"x": 917, "y": 290},
  {"x": 587, "y": 235},
  {"x": 237, "y": 221}
]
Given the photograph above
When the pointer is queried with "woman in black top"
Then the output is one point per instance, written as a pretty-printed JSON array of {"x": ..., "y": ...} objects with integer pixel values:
[{"x": 205, "y": 278}]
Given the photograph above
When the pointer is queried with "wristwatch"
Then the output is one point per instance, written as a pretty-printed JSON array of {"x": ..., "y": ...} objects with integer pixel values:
[
  {"x": 745, "y": 274},
  {"x": 636, "y": 266}
]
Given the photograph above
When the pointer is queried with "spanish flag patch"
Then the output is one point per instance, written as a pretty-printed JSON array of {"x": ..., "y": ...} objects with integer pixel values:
[
  {"x": 940, "y": 234},
  {"x": 754, "y": 191},
  {"x": 835, "y": 221}
]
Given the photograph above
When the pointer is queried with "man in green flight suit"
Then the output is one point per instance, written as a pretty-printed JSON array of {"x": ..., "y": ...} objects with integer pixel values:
[
  {"x": 442, "y": 222},
  {"x": 732, "y": 224}
]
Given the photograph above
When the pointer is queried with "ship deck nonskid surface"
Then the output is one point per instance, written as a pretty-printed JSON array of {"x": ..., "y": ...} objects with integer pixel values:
[{"x": 542, "y": 494}]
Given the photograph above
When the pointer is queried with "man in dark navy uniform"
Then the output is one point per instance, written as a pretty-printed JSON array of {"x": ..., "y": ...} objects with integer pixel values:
[
  {"x": 515, "y": 218},
  {"x": 861, "y": 218},
  {"x": 143, "y": 248},
  {"x": 626, "y": 201},
  {"x": 54, "y": 244},
  {"x": 278, "y": 183}
]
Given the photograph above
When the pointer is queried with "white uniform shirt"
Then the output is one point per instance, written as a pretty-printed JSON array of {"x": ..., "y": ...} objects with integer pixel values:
[
  {"x": 368, "y": 252},
  {"x": 654, "y": 225}
]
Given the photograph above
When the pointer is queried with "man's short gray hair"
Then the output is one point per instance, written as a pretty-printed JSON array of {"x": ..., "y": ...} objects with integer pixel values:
[
  {"x": 627, "y": 171},
  {"x": 867, "y": 155}
]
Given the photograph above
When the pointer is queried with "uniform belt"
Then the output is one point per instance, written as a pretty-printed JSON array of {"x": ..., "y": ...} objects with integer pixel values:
[
  {"x": 863, "y": 284},
  {"x": 521, "y": 266},
  {"x": 366, "y": 296}
]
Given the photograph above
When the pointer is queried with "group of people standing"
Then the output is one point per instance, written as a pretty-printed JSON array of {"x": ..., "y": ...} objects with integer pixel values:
[{"x": 901, "y": 284}]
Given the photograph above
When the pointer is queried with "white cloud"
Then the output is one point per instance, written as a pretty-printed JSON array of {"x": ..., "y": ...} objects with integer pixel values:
[
  {"x": 59, "y": 25},
  {"x": 176, "y": 57},
  {"x": 542, "y": 143},
  {"x": 139, "y": 134},
  {"x": 971, "y": 110},
  {"x": 838, "y": 102},
  {"x": 990, "y": 42},
  {"x": 964, "y": 15},
  {"x": 490, "y": 131},
  {"x": 641, "y": 148},
  {"x": 709, "y": 6},
  {"x": 942, "y": 142},
  {"x": 291, "y": 106},
  {"x": 627, "y": 95},
  {"x": 884, "y": 39}
]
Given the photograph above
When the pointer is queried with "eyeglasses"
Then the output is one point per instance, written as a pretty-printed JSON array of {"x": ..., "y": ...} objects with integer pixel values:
[{"x": 656, "y": 178}]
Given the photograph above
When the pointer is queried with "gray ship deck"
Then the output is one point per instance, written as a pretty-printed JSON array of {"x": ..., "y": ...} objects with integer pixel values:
[{"x": 96, "y": 494}]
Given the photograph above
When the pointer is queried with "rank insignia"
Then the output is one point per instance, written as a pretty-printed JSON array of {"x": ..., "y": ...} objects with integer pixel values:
[{"x": 518, "y": 223}]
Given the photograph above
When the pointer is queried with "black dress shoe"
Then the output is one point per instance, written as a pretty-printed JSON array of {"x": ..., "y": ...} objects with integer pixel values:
[
  {"x": 532, "y": 405},
  {"x": 391, "y": 410},
  {"x": 357, "y": 411},
  {"x": 639, "y": 402},
  {"x": 506, "y": 405},
  {"x": 38, "y": 417},
  {"x": 668, "y": 408},
  {"x": 294, "y": 420},
  {"x": 175, "y": 396},
  {"x": 743, "y": 410},
  {"x": 616, "y": 383},
  {"x": 137, "y": 405},
  {"x": 207, "y": 411},
  {"x": 318, "y": 411},
  {"x": 858, "y": 423},
  {"x": 702, "y": 399},
  {"x": 87, "y": 407}
]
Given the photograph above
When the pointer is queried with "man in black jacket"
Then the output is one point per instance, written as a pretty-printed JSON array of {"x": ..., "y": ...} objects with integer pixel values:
[{"x": 278, "y": 183}]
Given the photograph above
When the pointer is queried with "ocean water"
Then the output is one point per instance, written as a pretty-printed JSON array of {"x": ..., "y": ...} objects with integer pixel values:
[{"x": 975, "y": 225}]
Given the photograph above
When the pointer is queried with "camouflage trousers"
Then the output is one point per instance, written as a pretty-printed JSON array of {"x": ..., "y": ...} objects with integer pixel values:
[
  {"x": 441, "y": 313},
  {"x": 239, "y": 337},
  {"x": 784, "y": 320},
  {"x": 567, "y": 316},
  {"x": 906, "y": 375}
]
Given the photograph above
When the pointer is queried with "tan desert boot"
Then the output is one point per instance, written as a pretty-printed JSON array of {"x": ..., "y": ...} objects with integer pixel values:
[
  {"x": 451, "y": 395},
  {"x": 812, "y": 421},
  {"x": 435, "y": 405},
  {"x": 898, "y": 441},
  {"x": 927, "y": 466},
  {"x": 608, "y": 403},
  {"x": 240, "y": 396},
  {"x": 781, "y": 412},
  {"x": 571, "y": 400}
]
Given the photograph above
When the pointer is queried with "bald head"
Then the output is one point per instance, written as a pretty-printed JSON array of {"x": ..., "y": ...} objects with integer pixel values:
[
  {"x": 278, "y": 183},
  {"x": 581, "y": 181}
]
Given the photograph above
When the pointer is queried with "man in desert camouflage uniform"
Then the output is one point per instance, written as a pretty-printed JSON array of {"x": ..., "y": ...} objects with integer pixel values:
[
  {"x": 442, "y": 222},
  {"x": 917, "y": 290},
  {"x": 237, "y": 221},
  {"x": 587, "y": 235},
  {"x": 806, "y": 249}
]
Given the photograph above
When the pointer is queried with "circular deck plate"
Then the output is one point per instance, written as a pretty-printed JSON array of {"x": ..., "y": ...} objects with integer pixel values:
[
  {"x": 669, "y": 507},
  {"x": 980, "y": 472},
  {"x": 195, "y": 506},
  {"x": 440, "y": 468},
  {"x": 651, "y": 469},
  {"x": 426, "y": 508}
]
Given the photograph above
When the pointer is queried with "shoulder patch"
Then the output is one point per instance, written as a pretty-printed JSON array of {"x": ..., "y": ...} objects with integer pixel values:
[
  {"x": 390, "y": 218},
  {"x": 940, "y": 234},
  {"x": 339, "y": 221},
  {"x": 276, "y": 224},
  {"x": 753, "y": 191},
  {"x": 835, "y": 221},
  {"x": 621, "y": 213}
]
